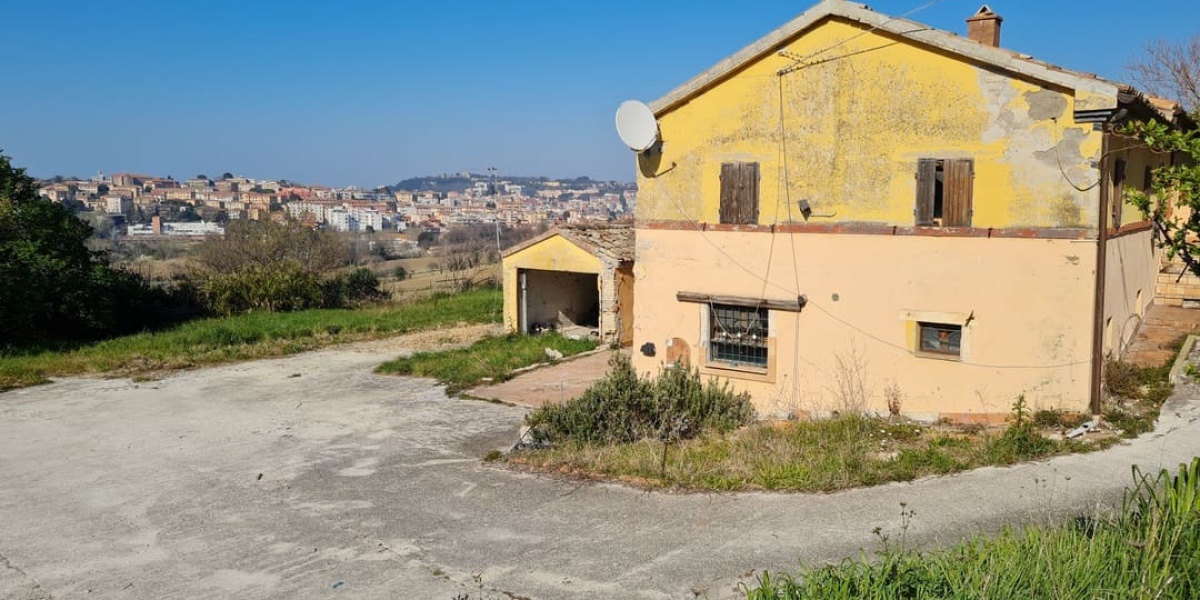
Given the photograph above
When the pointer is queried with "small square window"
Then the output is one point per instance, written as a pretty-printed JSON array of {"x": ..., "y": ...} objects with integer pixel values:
[
  {"x": 940, "y": 338},
  {"x": 738, "y": 335}
]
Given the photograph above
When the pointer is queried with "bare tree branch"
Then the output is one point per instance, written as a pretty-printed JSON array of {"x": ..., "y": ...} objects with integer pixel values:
[{"x": 1170, "y": 70}]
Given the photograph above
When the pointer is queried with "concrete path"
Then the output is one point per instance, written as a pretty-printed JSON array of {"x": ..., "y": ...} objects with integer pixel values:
[
  {"x": 554, "y": 383},
  {"x": 310, "y": 477}
]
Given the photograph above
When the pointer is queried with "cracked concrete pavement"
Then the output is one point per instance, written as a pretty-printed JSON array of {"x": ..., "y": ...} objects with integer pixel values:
[{"x": 310, "y": 477}]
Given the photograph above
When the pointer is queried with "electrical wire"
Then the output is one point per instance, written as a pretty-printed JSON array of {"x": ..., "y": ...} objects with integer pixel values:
[
  {"x": 1061, "y": 169},
  {"x": 786, "y": 185},
  {"x": 733, "y": 261},
  {"x": 801, "y": 62}
]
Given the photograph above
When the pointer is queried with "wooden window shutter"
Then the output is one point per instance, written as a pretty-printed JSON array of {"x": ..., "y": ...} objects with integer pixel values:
[
  {"x": 739, "y": 193},
  {"x": 926, "y": 191},
  {"x": 958, "y": 189}
]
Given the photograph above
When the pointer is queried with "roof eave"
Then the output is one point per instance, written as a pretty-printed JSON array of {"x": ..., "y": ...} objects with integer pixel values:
[{"x": 970, "y": 49}]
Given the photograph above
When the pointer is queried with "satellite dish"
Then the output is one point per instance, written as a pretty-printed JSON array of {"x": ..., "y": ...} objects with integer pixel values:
[{"x": 637, "y": 126}]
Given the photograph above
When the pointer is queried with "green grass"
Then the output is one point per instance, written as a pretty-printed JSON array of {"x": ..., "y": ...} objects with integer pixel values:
[
  {"x": 248, "y": 336},
  {"x": 494, "y": 358},
  {"x": 816, "y": 456},
  {"x": 1150, "y": 550}
]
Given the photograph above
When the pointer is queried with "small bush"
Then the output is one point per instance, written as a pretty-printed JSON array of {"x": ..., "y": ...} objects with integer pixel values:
[
  {"x": 624, "y": 408},
  {"x": 356, "y": 287}
]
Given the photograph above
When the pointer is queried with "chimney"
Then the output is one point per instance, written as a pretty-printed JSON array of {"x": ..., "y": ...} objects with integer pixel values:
[
  {"x": 984, "y": 26},
  {"x": 156, "y": 225}
]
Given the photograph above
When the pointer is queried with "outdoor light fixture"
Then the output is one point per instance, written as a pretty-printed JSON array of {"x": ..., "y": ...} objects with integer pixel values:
[{"x": 805, "y": 209}]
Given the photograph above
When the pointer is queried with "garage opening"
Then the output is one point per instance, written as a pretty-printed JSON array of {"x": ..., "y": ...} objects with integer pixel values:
[{"x": 559, "y": 300}]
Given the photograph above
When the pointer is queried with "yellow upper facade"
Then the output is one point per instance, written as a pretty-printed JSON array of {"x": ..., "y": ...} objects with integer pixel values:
[{"x": 838, "y": 113}]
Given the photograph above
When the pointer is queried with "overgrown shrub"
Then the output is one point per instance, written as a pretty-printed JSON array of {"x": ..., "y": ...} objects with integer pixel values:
[
  {"x": 282, "y": 288},
  {"x": 623, "y": 407},
  {"x": 358, "y": 286}
]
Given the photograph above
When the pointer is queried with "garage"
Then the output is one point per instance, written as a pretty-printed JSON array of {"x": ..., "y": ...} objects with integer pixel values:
[{"x": 577, "y": 280}]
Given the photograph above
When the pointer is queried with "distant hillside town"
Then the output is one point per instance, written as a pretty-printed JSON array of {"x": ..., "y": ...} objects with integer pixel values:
[{"x": 151, "y": 206}]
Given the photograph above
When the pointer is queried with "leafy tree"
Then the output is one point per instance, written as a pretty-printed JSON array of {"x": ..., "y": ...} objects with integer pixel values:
[
  {"x": 1174, "y": 204},
  {"x": 54, "y": 288},
  {"x": 226, "y": 175}
]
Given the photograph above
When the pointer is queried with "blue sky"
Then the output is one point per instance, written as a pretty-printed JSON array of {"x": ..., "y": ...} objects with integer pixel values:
[{"x": 368, "y": 93}]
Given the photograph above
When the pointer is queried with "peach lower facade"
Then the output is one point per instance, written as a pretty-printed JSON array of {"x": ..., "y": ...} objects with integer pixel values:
[{"x": 1025, "y": 306}]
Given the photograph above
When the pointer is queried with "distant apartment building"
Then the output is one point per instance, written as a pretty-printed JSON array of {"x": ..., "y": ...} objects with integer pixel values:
[
  {"x": 58, "y": 192},
  {"x": 117, "y": 204},
  {"x": 129, "y": 179},
  {"x": 227, "y": 185},
  {"x": 297, "y": 210},
  {"x": 354, "y": 219},
  {"x": 159, "y": 228}
]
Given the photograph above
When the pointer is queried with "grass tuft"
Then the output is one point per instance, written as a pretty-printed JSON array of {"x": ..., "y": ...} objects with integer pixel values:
[{"x": 492, "y": 358}]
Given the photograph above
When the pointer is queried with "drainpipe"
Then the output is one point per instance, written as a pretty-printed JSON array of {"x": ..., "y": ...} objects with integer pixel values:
[{"x": 1097, "y": 388}]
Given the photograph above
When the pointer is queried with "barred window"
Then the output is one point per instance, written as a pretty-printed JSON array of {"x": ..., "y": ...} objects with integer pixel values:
[{"x": 738, "y": 334}]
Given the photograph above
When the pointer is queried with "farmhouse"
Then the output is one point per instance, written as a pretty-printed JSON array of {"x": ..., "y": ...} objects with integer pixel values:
[{"x": 859, "y": 211}]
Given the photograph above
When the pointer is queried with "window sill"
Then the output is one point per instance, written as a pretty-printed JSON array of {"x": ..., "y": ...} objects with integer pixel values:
[
  {"x": 726, "y": 366},
  {"x": 739, "y": 372},
  {"x": 938, "y": 356}
]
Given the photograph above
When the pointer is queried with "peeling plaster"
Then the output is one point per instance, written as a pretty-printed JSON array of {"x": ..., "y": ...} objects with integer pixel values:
[
  {"x": 1041, "y": 152},
  {"x": 1045, "y": 104}
]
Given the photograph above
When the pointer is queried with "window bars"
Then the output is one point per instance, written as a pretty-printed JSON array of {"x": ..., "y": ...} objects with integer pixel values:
[{"x": 738, "y": 335}]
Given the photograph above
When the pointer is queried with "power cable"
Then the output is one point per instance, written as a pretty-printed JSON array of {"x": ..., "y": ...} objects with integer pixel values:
[{"x": 799, "y": 62}]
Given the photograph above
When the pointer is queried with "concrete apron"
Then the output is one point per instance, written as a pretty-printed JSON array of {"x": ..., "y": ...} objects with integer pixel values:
[
  {"x": 551, "y": 383},
  {"x": 309, "y": 476}
]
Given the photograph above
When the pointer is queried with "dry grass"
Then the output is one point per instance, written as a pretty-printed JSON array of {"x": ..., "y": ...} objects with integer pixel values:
[{"x": 847, "y": 452}]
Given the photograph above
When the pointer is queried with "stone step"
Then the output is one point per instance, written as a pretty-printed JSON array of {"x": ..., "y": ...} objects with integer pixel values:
[{"x": 1172, "y": 325}]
